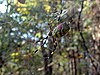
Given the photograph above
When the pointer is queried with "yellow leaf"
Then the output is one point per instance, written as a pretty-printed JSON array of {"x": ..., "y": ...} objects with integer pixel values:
[
  {"x": 38, "y": 35},
  {"x": 47, "y": 8},
  {"x": 21, "y": 5},
  {"x": 47, "y": 0},
  {"x": 16, "y": 53},
  {"x": 15, "y": 2},
  {"x": 18, "y": 9},
  {"x": 16, "y": 60},
  {"x": 13, "y": 54},
  {"x": 86, "y": 3}
]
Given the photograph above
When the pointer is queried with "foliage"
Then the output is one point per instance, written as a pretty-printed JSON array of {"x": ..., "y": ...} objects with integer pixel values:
[{"x": 25, "y": 25}]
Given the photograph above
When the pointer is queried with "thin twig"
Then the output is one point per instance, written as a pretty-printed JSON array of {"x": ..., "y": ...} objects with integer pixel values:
[{"x": 83, "y": 40}]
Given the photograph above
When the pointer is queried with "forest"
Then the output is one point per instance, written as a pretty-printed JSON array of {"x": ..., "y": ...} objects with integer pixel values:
[{"x": 49, "y": 37}]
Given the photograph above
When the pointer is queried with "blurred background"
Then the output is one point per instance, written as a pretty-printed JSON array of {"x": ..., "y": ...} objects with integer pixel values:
[{"x": 25, "y": 23}]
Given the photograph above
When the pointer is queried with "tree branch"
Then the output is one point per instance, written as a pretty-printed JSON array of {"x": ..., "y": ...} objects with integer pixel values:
[{"x": 81, "y": 34}]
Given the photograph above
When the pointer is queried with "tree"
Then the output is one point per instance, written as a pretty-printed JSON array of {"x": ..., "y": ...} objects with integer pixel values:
[{"x": 27, "y": 46}]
